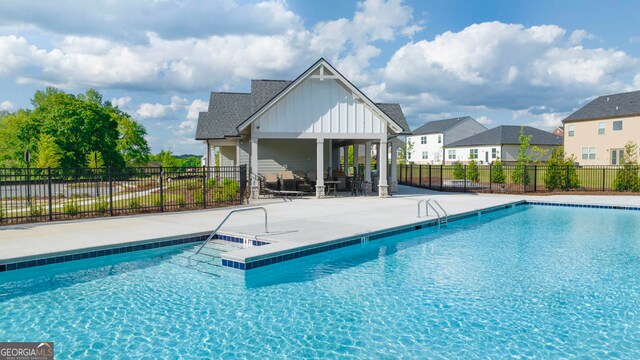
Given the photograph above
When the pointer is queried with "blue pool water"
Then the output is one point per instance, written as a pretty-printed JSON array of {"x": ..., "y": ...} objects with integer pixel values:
[{"x": 532, "y": 281}]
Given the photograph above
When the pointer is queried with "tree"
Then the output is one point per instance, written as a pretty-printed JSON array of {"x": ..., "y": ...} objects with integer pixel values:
[
  {"x": 473, "y": 173},
  {"x": 80, "y": 124},
  {"x": 94, "y": 160},
  {"x": 48, "y": 152},
  {"x": 167, "y": 159},
  {"x": 627, "y": 178},
  {"x": 497, "y": 172},
  {"x": 458, "y": 171},
  {"x": 131, "y": 143},
  {"x": 560, "y": 173},
  {"x": 17, "y": 134}
]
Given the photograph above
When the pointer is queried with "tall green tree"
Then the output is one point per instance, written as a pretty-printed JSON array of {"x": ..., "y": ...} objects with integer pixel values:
[
  {"x": 18, "y": 132},
  {"x": 132, "y": 143},
  {"x": 560, "y": 172},
  {"x": 48, "y": 152},
  {"x": 80, "y": 125}
]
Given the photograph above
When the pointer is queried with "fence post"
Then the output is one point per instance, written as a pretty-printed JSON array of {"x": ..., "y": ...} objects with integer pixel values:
[
  {"x": 161, "y": 190},
  {"x": 49, "y": 190},
  {"x": 490, "y": 178},
  {"x": 110, "y": 192},
  {"x": 535, "y": 177},
  {"x": 429, "y": 176},
  {"x": 524, "y": 178},
  {"x": 204, "y": 187},
  {"x": 465, "y": 178},
  {"x": 411, "y": 174},
  {"x": 441, "y": 175},
  {"x": 420, "y": 175},
  {"x": 604, "y": 178}
]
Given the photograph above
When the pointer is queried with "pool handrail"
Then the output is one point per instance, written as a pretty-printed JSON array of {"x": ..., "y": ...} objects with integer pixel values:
[{"x": 213, "y": 234}]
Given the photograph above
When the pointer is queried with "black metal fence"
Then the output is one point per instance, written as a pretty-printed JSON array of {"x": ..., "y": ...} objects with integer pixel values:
[
  {"x": 514, "y": 178},
  {"x": 32, "y": 195}
]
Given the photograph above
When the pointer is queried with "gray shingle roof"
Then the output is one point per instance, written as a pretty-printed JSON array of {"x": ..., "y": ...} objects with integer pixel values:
[
  {"x": 608, "y": 106},
  {"x": 508, "y": 135},
  {"x": 226, "y": 111},
  {"x": 264, "y": 90},
  {"x": 439, "y": 126},
  {"x": 394, "y": 111}
]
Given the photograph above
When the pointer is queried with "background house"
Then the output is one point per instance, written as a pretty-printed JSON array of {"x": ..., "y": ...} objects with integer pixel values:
[
  {"x": 499, "y": 143},
  {"x": 428, "y": 140},
  {"x": 596, "y": 133},
  {"x": 302, "y": 125}
]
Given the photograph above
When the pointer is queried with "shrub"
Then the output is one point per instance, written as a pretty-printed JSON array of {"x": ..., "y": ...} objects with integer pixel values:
[
  {"x": 156, "y": 201},
  {"x": 627, "y": 178},
  {"x": 36, "y": 210},
  {"x": 473, "y": 173},
  {"x": 71, "y": 208},
  {"x": 497, "y": 172},
  {"x": 134, "y": 203},
  {"x": 198, "y": 197},
  {"x": 212, "y": 183},
  {"x": 1, "y": 213},
  {"x": 180, "y": 201},
  {"x": 561, "y": 173},
  {"x": 458, "y": 171},
  {"x": 101, "y": 206}
]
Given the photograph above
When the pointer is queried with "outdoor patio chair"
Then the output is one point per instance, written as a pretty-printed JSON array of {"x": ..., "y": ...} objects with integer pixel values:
[
  {"x": 287, "y": 181},
  {"x": 271, "y": 181}
]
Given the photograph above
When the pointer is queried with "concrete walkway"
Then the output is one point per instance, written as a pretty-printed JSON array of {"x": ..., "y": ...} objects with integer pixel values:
[{"x": 299, "y": 223}]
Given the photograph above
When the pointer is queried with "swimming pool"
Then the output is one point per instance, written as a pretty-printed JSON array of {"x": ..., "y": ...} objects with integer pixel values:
[{"x": 531, "y": 281}]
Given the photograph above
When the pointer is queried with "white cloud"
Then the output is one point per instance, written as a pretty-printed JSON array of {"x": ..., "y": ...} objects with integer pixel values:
[
  {"x": 6, "y": 106},
  {"x": 505, "y": 66},
  {"x": 121, "y": 102},
  {"x": 484, "y": 120},
  {"x": 578, "y": 36},
  {"x": 154, "y": 111}
]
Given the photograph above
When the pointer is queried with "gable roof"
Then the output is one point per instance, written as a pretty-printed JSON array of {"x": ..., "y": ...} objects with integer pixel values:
[
  {"x": 228, "y": 112},
  {"x": 440, "y": 126},
  {"x": 394, "y": 111},
  {"x": 508, "y": 135},
  {"x": 321, "y": 64},
  {"x": 608, "y": 106}
]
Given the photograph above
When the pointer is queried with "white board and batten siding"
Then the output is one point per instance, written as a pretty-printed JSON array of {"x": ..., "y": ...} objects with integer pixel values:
[{"x": 319, "y": 107}]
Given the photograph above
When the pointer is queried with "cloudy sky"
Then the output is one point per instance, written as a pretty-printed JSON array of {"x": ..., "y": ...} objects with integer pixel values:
[{"x": 502, "y": 62}]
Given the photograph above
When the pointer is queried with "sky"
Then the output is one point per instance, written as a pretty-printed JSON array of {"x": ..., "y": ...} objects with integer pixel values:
[{"x": 499, "y": 61}]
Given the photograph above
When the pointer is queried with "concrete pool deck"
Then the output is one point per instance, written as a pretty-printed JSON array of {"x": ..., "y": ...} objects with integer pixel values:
[{"x": 302, "y": 223}]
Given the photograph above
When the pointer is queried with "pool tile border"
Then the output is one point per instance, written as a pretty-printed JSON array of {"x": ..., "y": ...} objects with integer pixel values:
[
  {"x": 18, "y": 265},
  {"x": 613, "y": 207}
]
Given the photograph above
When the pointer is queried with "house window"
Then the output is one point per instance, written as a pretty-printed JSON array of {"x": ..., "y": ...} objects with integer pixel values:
[
  {"x": 451, "y": 154},
  {"x": 617, "y": 125},
  {"x": 439, "y": 139},
  {"x": 494, "y": 153},
  {"x": 473, "y": 153},
  {"x": 600, "y": 128},
  {"x": 588, "y": 153},
  {"x": 425, "y": 155},
  {"x": 423, "y": 140},
  {"x": 572, "y": 129}
]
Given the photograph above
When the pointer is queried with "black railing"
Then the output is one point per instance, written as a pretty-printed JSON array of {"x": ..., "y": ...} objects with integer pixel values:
[
  {"x": 32, "y": 195},
  {"x": 518, "y": 179}
]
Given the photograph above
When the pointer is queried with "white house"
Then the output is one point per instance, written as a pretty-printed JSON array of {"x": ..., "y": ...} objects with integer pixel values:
[
  {"x": 499, "y": 143},
  {"x": 428, "y": 141},
  {"x": 301, "y": 125}
]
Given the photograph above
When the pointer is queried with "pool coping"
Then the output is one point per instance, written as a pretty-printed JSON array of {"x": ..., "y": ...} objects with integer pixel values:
[{"x": 273, "y": 257}]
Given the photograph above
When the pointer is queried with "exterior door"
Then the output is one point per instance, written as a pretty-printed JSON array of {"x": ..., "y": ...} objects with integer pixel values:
[
  {"x": 616, "y": 156},
  {"x": 486, "y": 157}
]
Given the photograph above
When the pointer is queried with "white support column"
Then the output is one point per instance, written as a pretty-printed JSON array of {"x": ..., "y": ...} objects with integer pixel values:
[
  {"x": 393, "y": 182},
  {"x": 255, "y": 185},
  {"x": 377, "y": 147},
  {"x": 367, "y": 167},
  {"x": 345, "y": 156},
  {"x": 383, "y": 187},
  {"x": 356, "y": 153},
  {"x": 320, "y": 168}
]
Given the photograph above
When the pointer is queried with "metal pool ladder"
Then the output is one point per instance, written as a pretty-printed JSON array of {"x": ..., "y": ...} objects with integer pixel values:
[
  {"x": 443, "y": 217},
  {"x": 213, "y": 234}
]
